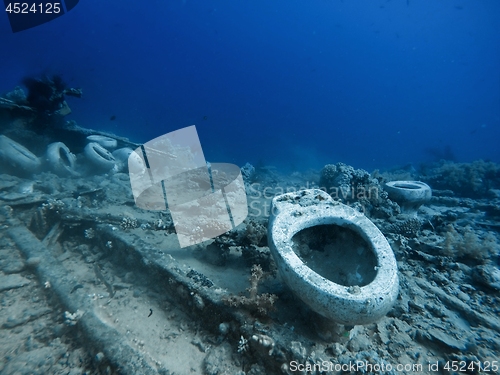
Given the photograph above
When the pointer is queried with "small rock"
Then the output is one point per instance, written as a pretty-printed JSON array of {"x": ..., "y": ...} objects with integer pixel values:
[
  {"x": 33, "y": 262},
  {"x": 13, "y": 266},
  {"x": 358, "y": 343},
  {"x": 200, "y": 345},
  {"x": 198, "y": 302},
  {"x": 224, "y": 328},
  {"x": 12, "y": 282},
  {"x": 488, "y": 276},
  {"x": 440, "y": 337},
  {"x": 264, "y": 343},
  {"x": 99, "y": 357},
  {"x": 298, "y": 351},
  {"x": 383, "y": 333}
]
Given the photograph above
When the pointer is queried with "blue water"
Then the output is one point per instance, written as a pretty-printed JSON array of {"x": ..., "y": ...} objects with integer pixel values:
[{"x": 297, "y": 84}]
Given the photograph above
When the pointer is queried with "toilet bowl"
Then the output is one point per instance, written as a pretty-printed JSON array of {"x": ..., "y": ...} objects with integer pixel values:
[
  {"x": 369, "y": 284},
  {"x": 410, "y": 195}
]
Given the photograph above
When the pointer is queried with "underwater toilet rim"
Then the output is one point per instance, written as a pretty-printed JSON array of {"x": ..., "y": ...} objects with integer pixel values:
[
  {"x": 407, "y": 184},
  {"x": 353, "y": 304},
  {"x": 377, "y": 243}
]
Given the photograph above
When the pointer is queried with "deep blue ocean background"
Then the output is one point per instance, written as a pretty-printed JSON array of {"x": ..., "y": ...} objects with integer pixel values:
[{"x": 296, "y": 84}]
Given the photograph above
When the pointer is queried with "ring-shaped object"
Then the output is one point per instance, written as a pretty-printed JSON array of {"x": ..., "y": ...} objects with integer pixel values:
[
  {"x": 106, "y": 142},
  {"x": 99, "y": 156},
  {"x": 60, "y": 159},
  {"x": 18, "y": 156},
  {"x": 410, "y": 195},
  {"x": 345, "y": 304}
]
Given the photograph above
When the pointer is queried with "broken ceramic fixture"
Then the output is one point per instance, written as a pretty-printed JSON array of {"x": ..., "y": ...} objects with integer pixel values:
[
  {"x": 410, "y": 195},
  {"x": 363, "y": 285}
]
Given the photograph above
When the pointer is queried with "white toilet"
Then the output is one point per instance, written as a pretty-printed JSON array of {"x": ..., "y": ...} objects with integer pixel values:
[
  {"x": 356, "y": 283},
  {"x": 410, "y": 195}
]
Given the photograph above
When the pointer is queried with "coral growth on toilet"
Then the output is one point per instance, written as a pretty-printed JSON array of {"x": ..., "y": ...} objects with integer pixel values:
[{"x": 357, "y": 188}]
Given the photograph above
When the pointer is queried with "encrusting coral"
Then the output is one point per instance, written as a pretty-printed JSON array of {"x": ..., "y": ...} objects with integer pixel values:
[
  {"x": 408, "y": 228},
  {"x": 356, "y": 187},
  {"x": 464, "y": 179},
  {"x": 260, "y": 303},
  {"x": 255, "y": 233}
]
